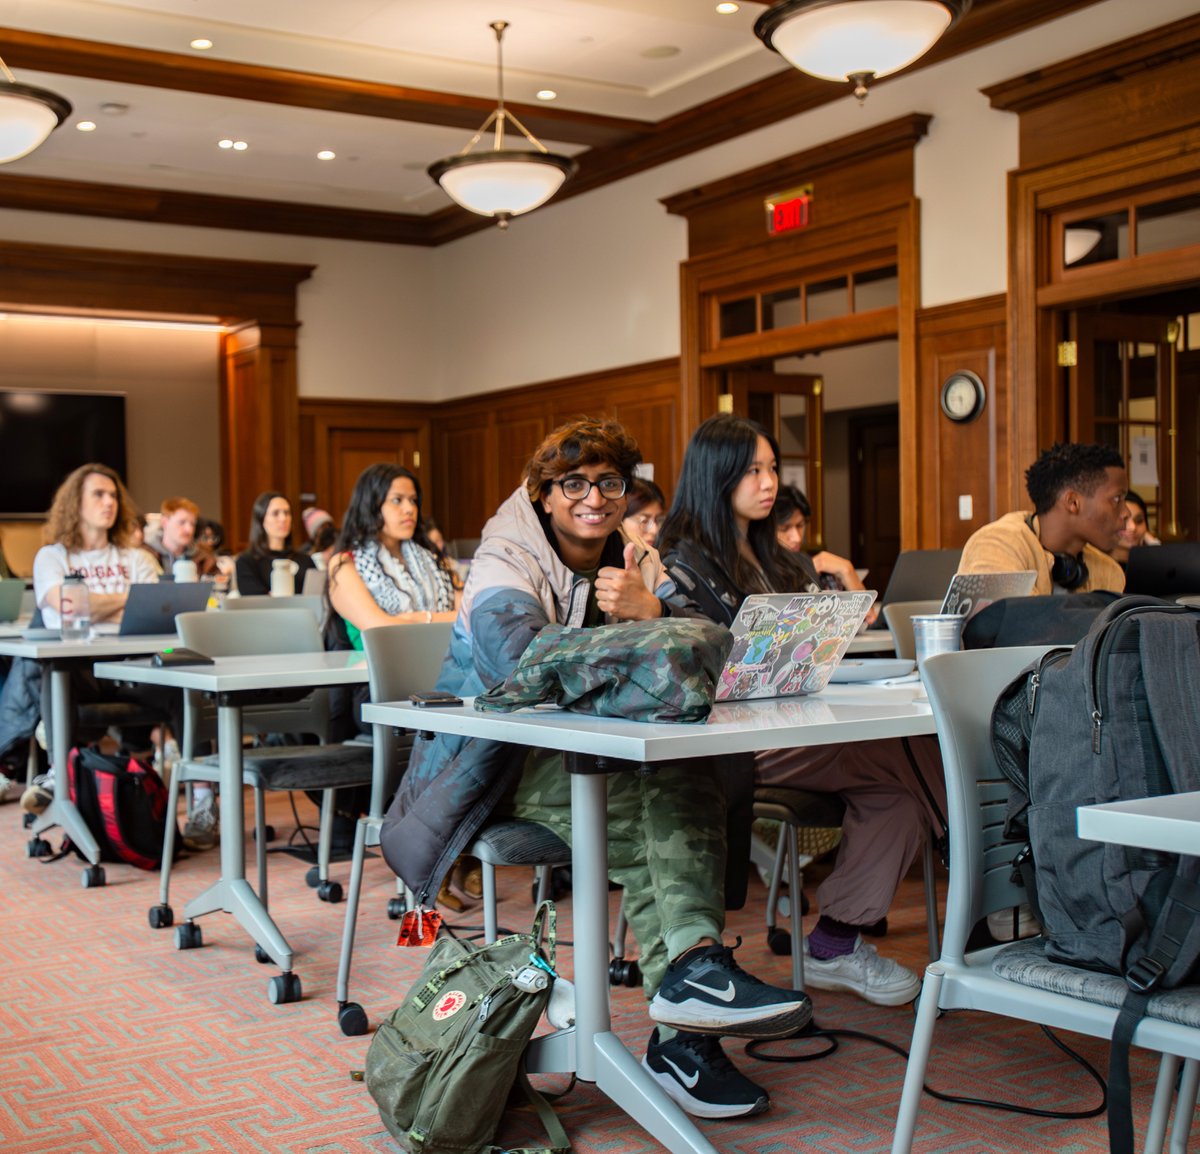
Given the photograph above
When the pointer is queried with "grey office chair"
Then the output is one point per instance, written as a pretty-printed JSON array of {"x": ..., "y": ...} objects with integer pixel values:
[
  {"x": 325, "y": 767},
  {"x": 962, "y": 689},
  {"x": 899, "y": 615},
  {"x": 313, "y": 602},
  {"x": 404, "y": 659}
]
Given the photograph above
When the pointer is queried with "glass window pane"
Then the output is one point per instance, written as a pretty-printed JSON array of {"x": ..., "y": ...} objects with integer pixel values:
[
  {"x": 1108, "y": 433},
  {"x": 1095, "y": 240},
  {"x": 1107, "y": 379},
  {"x": 878, "y": 288},
  {"x": 827, "y": 299},
  {"x": 793, "y": 425},
  {"x": 781, "y": 310},
  {"x": 1170, "y": 225},
  {"x": 738, "y": 317}
]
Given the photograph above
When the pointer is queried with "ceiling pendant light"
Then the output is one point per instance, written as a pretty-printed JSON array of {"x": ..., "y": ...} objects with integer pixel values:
[
  {"x": 27, "y": 115},
  {"x": 856, "y": 40},
  {"x": 504, "y": 182}
]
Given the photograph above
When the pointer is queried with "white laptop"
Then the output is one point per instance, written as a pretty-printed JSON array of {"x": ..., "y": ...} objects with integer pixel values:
[
  {"x": 971, "y": 592},
  {"x": 785, "y": 644}
]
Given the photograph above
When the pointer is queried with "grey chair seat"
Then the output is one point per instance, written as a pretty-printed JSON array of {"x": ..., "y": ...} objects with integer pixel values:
[
  {"x": 519, "y": 843},
  {"x": 1026, "y": 962},
  {"x": 280, "y": 767}
]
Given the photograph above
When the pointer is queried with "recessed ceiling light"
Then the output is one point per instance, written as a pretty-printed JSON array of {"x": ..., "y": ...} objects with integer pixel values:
[
  {"x": 202, "y": 44},
  {"x": 240, "y": 146},
  {"x": 728, "y": 8},
  {"x": 86, "y": 126},
  {"x": 662, "y": 52},
  {"x": 547, "y": 94},
  {"x": 226, "y": 143},
  {"x": 326, "y": 154}
]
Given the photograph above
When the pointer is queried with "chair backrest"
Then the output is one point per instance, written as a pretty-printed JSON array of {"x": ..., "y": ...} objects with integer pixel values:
[
  {"x": 921, "y": 574},
  {"x": 962, "y": 689},
  {"x": 899, "y": 615},
  {"x": 313, "y": 602},
  {"x": 245, "y": 633},
  {"x": 462, "y": 548},
  {"x": 291, "y": 629},
  {"x": 401, "y": 659}
]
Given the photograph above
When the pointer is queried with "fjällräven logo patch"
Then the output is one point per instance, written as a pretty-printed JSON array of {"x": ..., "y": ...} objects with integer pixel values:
[{"x": 451, "y": 1002}]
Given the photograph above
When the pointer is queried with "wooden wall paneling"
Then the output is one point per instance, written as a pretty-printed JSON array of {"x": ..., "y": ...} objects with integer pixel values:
[
  {"x": 654, "y": 422},
  {"x": 951, "y": 459},
  {"x": 467, "y": 492}
]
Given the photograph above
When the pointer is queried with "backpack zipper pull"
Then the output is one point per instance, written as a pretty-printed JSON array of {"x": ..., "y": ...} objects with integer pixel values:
[
  {"x": 1096, "y": 719},
  {"x": 485, "y": 1007},
  {"x": 1035, "y": 680}
]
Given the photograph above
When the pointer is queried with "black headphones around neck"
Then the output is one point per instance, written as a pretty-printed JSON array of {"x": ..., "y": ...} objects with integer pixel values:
[{"x": 1069, "y": 570}]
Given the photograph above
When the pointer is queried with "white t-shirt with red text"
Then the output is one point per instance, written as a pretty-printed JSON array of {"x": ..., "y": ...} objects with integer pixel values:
[{"x": 107, "y": 570}]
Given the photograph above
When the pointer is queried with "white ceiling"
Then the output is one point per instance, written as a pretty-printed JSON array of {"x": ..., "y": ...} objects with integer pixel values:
[{"x": 636, "y": 59}]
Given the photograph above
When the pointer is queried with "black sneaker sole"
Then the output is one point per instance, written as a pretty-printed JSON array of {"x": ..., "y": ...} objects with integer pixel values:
[
  {"x": 707, "y": 1019},
  {"x": 697, "y": 1107}
]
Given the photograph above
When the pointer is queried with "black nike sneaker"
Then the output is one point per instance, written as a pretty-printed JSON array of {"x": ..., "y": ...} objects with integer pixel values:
[
  {"x": 694, "y": 1071},
  {"x": 707, "y": 992}
]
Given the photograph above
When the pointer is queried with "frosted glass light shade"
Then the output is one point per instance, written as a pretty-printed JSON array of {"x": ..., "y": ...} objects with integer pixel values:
[
  {"x": 27, "y": 116},
  {"x": 845, "y": 39},
  {"x": 504, "y": 182}
]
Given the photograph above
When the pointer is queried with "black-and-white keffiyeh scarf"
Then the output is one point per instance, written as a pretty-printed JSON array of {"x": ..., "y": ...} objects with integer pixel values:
[{"x": 417, "y": 584}]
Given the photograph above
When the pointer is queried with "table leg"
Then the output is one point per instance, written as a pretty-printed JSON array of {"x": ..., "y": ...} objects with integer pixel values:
[
  {"x": 232, "y": 893},
  {"x": 601, "y": 1056},
  {"x": 62, "y": 811}
]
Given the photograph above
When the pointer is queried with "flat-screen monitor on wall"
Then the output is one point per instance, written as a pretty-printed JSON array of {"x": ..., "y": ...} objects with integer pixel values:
[{"x": 45, "y": 435}]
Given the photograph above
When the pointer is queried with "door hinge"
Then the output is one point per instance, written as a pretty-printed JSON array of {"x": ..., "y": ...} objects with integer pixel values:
[
  {"x": 1068, "y": 354},
  {"x": 417, "y": 459}
]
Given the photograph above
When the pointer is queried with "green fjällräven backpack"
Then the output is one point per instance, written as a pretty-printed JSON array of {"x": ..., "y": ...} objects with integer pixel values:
[{"x": 441, "y": 1067}]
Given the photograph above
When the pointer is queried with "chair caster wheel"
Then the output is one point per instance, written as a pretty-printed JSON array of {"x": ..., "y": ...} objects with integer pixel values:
[
  {"x": 93, "y": 877},
  {"x": 397, "y": 908},
  {"x": 313, "y": 878},
  {"x": 37, "y": 847},
  {"x": 27, "y": 820},
  {"x": 161, "y": 917},
  {"x": 330, "y": 892},
  {"x": 268, "y": 833},
  {"x": 779, "y": 942},
  {"x": 261, "y": 956},
  {"x": 188, "y": 936},
  {"x": 353, "y": 1019},
  {"x": 284, "y": 988},
  {"x": 624, "y": 973}
]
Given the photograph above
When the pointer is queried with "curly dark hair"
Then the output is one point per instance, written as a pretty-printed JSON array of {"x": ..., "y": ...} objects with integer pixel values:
[
  {"x": 582, "y": 442},
  {"x": 1066, "y": 465}
]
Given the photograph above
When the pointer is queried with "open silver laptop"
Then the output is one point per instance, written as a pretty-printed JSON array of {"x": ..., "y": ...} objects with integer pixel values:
[
  {"x": 971, "y": 592},
  {"x": 12, "y": 589},
  {"x": 786, "y": 644},
  {"x": 151, "y": 608}
]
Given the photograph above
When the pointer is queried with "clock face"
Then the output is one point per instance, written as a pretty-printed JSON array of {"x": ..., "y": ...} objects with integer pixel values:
[{"x": 963, "y": 396}]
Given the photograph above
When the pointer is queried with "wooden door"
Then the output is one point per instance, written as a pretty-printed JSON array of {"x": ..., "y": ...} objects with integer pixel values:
[
  {"x": 352, "y": 450},
  {"x": 875, "y": 494}
]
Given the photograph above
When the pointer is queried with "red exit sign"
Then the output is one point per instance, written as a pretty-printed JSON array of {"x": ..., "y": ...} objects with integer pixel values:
[{"x": 790, "y": 210}]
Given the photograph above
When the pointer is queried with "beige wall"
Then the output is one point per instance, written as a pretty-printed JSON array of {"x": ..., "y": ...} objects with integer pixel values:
[{"x": 169, "y": 377}]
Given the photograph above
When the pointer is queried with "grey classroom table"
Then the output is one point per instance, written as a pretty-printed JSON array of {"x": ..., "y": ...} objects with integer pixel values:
[{"x": 841, "y": 713}]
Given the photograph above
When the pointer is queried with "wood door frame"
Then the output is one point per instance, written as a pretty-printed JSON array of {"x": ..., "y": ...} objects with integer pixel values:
[
  {"x": 893, "y": 237},
  {"x": 1035, "y": 411}
]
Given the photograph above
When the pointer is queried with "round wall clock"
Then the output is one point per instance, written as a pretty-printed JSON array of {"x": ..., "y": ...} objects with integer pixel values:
[{"x": 963, "y": 396}]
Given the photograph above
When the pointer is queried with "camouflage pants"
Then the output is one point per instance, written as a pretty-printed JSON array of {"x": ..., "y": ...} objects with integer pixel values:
[{"x": 666, "y": 847}]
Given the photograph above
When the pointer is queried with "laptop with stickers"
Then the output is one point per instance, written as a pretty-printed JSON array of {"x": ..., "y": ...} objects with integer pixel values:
[
  {"x": 971, "y": 592},
  {"x": 786, "y": 644}
]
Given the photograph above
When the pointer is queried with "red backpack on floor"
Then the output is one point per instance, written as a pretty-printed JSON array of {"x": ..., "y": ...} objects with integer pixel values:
[{"x": 124, "y": 803}]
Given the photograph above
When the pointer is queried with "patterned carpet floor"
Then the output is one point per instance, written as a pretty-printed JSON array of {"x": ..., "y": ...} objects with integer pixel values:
[{"x": 112, "y": 1041}]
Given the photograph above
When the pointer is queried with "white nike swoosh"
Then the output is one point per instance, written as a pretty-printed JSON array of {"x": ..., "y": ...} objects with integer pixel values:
[
  {"x": 726, "y": 995},
  {"x": 690, "y": 1083}
]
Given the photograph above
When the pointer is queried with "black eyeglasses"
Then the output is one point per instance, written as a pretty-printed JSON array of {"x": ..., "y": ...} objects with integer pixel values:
[{"x": 577, "y": 488}]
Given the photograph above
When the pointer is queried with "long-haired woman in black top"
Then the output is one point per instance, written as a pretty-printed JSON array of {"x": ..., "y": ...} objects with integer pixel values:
[
  {"x": 719, "y": 544},
  {"x": 270, "y": 541}
]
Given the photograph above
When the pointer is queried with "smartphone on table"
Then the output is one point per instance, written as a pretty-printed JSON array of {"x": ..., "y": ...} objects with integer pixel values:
[{"x": 434, "y": 698}]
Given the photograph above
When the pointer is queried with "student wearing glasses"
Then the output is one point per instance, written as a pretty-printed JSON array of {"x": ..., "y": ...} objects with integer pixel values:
[{"x": 554, "y": 553}]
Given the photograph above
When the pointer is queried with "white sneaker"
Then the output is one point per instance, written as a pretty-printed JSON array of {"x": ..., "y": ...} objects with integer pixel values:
[
  {"x": 10, "y": 788},
  {"x": 862, "y": 972},
  {"x": 202, "y": 829},
  {"x": 1000, "y": 924}
]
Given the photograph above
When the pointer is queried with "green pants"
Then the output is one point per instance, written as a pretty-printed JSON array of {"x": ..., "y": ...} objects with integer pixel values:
[{"x": 666, "y": 847}]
